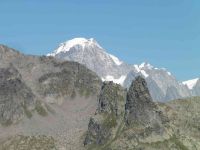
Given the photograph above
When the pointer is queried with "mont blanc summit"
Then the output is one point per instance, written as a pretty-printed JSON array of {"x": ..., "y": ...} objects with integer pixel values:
[{"x": 91, "y": 54}]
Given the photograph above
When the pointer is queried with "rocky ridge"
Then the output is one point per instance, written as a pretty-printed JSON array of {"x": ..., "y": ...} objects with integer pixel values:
[
  {"x": 137, "y": 110},
  {"x": 143, "y": 124}
]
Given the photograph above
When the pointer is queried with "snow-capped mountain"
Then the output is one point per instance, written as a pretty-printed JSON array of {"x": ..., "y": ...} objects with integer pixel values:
[
  {"x": 91, "y": 54},
  {"x": 194, "y": 86},
  {"x": 191, "y": 83},
  {"x": 162, "y": 84},
  {"x": 81, "y": 42}
]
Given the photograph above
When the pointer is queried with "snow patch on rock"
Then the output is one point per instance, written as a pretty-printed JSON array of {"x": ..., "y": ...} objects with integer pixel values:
[
  {"x": 141, "y": 69},
  {"x": 169, "y": 73},
  {"x": 66, "y": 46}
]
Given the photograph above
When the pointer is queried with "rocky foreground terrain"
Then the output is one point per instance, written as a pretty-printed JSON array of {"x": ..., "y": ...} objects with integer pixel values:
[{"x": 48, "y": 104}]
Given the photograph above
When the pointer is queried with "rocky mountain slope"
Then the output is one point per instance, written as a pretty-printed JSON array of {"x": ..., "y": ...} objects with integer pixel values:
[
  {"x": 41, "y": 95},
  {"x": 16, "y": 96},
  {"x": 110, "y": 68},
  {"x": 142, "y": 124}
]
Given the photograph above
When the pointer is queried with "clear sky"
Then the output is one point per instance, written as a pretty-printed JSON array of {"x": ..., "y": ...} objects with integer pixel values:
[{"x": 165, "y": 33}]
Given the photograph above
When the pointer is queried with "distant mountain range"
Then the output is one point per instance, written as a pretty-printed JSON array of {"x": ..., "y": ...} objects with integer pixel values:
[{"x": 162, "y": 84}]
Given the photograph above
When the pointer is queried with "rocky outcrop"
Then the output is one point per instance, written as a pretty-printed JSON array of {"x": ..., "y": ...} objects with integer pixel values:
[
  {"x": 140, "y": 108},
  {"x": 111, "y": 99},
  {"x": 147, "y": 125},
  {"x": 180, "y": 133},
  {"x": 119, "y": 111},
  {"x": 97, "y": 133},
  {"x": 110, "y": 110},
  {"x": 15, "y": 96}
]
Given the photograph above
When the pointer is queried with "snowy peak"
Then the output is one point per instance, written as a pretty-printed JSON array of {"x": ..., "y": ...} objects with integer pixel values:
[
  {"x": 82, "y": 42},
  {"x": 146, "y": 66},
  {"x": 191, "y": 83},
  {"x": 142, "y": 67}
]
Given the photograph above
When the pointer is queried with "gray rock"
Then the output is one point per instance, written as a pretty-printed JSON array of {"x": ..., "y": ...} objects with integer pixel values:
[
  {"x": 138, "y": 110},
  {"x": 111, "y": 99},
  {"x": 97, "y": 133},
  {"x": 111, "y": 103},
  {"x": 15, "y": 96},
  {"x": 139, "y": 104},
  {"x": 155, "y": 91}
]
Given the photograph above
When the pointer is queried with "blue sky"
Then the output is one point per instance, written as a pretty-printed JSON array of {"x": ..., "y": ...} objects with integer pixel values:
[{"x": 165, "y": 33}]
